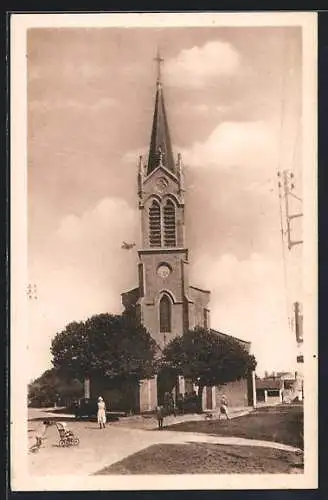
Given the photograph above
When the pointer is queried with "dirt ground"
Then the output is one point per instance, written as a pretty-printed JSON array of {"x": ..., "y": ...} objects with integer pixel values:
[
  {"x": 100, "y": 449},
  {"x": 282, "y": 424}
]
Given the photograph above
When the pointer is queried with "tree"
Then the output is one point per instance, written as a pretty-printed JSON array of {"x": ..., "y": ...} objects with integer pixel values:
[
  {"x": 51, "y": 386},
  {"x": 208, "y": 359},
  {"x": 113, "y": 346}
]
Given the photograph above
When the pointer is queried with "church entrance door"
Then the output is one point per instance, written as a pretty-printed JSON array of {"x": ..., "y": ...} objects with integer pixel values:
[{"x": 166, "y": 384}]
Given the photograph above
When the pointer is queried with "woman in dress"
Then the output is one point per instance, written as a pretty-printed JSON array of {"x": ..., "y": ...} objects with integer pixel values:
[
  {"x": 224, "y": 408},
  {"x": 101, "y": 415}
]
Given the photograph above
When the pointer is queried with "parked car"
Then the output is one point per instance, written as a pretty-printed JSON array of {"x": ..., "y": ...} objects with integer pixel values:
[{"x": 85, "y": 408}]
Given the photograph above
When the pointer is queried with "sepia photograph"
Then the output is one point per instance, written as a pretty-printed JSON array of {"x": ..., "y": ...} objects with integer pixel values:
[{"x": 164, "y": 265}]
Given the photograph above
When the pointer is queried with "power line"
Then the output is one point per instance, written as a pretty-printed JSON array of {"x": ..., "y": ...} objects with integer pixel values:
[
  {"x": 278, "y": 168},
  {"x": 283, "y": 250},
  {"x": 286, "y": 186}
]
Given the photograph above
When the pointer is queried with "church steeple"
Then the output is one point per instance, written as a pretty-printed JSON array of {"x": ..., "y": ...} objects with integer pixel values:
[
  {"x": 160, "y": 151},
  {"x": 164, "y": 301}
]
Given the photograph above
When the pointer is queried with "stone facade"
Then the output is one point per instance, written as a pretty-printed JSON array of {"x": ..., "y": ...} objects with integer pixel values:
[{"x": 163, "y": 262}]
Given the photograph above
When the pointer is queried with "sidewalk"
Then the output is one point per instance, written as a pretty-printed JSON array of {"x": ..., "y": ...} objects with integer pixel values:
[
  {"x": 46, "y": 413},
  {"x": 150, "y": 422}
]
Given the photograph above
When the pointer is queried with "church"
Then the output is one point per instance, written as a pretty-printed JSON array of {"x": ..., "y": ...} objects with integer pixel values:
[{"x": 164, "y": 300}]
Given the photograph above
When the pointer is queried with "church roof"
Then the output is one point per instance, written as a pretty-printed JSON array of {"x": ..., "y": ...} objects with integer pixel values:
[
  {"x": 221, "y": 334},
  {"x": 160, "y": 150}
]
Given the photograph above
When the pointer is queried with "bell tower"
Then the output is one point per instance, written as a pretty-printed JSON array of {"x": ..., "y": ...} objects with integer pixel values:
[
  {"x": 163, "y": 257},
  {"x": 164, "y": 302}
]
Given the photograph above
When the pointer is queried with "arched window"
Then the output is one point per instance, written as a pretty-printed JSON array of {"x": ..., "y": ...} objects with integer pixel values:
[
  {"x": 165, "y": 309},
  {"x": 169, "y": 224},
  {"x": 155, "y": 225}
]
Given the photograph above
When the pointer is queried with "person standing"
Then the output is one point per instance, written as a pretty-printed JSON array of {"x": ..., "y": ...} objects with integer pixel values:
[
  {"x": 160, "y": 412},
  {"x": 180, "y": 403},
  {"x": 224, "y": 408},
  {"x": 41, "y": 433},
  {"x": 101, "y": 415}
]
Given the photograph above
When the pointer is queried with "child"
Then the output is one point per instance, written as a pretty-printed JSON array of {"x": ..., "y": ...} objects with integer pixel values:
[
  {"x": 160, "y": 416},
  {"x": 68, "y": 432},
  {"x": 224, "y": 408},
  {"x": 41, "y": 433}
]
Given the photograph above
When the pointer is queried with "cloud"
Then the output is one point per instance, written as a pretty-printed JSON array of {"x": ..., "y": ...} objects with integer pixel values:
[
  {"x": 103, "y": 103},
  {"x": 198, "y": 66},
  {"x": 234, "y": 144},
  {"x": 84, "y": 273},
  {"x": 132, "y": 157},
  {"x": 97, "y": 235},
  {"x": 187, "y": 108},
  {"x": 248, "y": 300},
  {"x": 222, "y": 108},
  {"x": 230, "y": 144},
  {"x": 65, "y": 104},
  {"x": 64, "y": 69},
  {"x": 231, "y": 270}
]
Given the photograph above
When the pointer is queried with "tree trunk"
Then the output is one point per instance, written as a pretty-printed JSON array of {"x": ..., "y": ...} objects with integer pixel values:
[
  {"x": 200, "y": 398},
  {"x": 87, "y": 387}
]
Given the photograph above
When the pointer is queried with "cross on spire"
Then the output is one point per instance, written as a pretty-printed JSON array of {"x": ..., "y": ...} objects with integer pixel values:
[
  {"x": 160, "y": 150},
  {"x": 159, "y": 61}
]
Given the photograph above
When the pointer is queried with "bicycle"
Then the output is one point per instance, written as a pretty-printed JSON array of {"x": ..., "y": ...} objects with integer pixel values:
[{"x": 36, "y": 446}]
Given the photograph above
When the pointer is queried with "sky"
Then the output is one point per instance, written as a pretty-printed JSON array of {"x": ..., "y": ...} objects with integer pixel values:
[{"x": 233, "y": 100}]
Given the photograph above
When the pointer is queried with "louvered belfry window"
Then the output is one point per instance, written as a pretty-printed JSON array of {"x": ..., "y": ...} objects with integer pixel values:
[
  {"x": 165, "y": 314},
  {"x": 155, "y": 225},
  {"x": 169, "y": 224}
]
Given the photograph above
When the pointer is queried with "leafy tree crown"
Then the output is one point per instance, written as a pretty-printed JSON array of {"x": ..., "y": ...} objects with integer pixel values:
[
  {"x": 208, "y": 358},
  {"x": 114, "y": 346}
]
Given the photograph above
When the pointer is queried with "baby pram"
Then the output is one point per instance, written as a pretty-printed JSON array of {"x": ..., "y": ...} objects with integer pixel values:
[{"x": 66, "y": 436}]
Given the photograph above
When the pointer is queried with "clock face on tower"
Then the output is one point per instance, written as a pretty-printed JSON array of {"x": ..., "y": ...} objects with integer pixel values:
[
  {"x": 163, "y": 271},
  {"x": 161, "y": 184}
]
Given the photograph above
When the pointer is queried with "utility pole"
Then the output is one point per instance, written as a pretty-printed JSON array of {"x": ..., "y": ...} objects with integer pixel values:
[
  {"x": 286, "y": 187},
  {"x": 298, "y": 318},
  {"x": 298, "y": 315}
]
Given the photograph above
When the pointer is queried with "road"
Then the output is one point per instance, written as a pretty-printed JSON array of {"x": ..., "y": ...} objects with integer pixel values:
[{"x": 100, "y": 448}]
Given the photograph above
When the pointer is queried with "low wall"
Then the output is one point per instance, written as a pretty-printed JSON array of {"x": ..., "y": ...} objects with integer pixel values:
[
  {"x": 148, "y": 395},
  {"x": 236, "y": 393}
]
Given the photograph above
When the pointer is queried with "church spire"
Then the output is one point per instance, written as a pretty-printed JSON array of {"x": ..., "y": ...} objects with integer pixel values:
[
  {"x": 160, "y": 151},
  {"x": 159, "y": 61}
]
